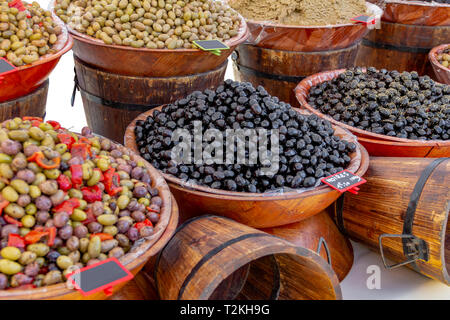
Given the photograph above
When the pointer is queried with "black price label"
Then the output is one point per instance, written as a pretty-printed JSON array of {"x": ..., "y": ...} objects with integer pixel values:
[
  {"x": 101, "y": 276},
  {"x": 5, "y": 67},
  {"x": 344, "y": 181}
]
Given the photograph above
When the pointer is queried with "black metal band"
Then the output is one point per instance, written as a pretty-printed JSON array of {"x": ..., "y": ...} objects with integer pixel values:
[
  {"x": 275, "y": 294},
  {"x": 338, "y": 213},
  {"x": 378, "y": 45}
]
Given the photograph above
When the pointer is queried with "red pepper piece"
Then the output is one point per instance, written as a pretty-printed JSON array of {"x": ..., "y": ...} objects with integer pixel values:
[
  {"x": 90, "y": 217},
  {"x": 35, "y": 123},
  {"x": 35, "y": 156},
  {"x": 145, "y": 223},
  {"x": 67, "y": 139},
  {"x": 64, "y": 182},
  {"x": 40, "y": 159},
  {"x": 92, "y": 194},
  {"x": 77, "y": 175},
  {"x": 102, "y": 236},
  {"x": 112, "y": 182},
  {"x": 67, "y": 206},
  {"x": 32, "y": 118},
  {"x": 51, "y": 236},
  {"x": 151, "y": 210},
  {"x": 54, "y": 124},
  {"x": 11, "y": 220},
  {"x": 3, "y": 205},
  {"x": 80, "y": 150},
  {"x": 14, "y": 240},
  {"x": 34, "y": 236}
]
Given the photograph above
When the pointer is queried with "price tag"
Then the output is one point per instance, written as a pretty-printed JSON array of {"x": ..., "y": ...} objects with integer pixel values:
[
  {"x": 213, "y": 46},
  {"x": 344, "y": 181},
  {"x": 5, "y": 68},
  {"x": 101, "y": 276},
  {"x": 367, "y": 20}
]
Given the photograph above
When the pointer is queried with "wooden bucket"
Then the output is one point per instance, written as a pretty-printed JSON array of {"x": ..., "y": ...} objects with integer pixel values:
[
  {"x": 200, "y": 262},
  {"x": 320, "y": 234},
  {"x": 32, "y": 104},
  {"x": 442, "y": 73},
  {"x": 117, "y": 99},
  {"x": 402, "y": 47},
  {"x": 403, "y": 211},
  {"x": 279, "y": 71}
]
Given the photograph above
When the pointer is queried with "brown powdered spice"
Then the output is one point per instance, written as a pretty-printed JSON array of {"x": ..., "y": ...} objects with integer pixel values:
[{"x": 300, "y": 12}]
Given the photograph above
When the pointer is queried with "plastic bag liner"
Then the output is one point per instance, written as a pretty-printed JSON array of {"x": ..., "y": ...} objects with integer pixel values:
[
  {"x": 270, "y": 35},
  {"x": 302, "y": 94},
  {"x": 417, "y": 13}
]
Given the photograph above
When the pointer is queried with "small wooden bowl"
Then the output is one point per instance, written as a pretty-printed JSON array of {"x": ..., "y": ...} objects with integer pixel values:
[
  {"x": 26, "y": 79},
  {"x": 258, "y": 210},
  {"x": 145, "y": 62},
  {"x": 133, "y": 260},
  {"x": 409, "y": 147},
  {"x": 442, "y": 73},
  {"x": 417, "y": 13},
  {"x": 308, "y": 38}
]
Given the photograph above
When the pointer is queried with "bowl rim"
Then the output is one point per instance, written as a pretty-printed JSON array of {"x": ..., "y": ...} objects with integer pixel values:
[
  {"x": 302, "y": 99},
  {"x": 130, "y": 259},
  {"x": 434, "y": 52},
  {"x": 418, "y": 3},
  {"x": 377, "y": 10},
  {"x": 360, "y": 155},
  {"x": 242, "y": 35}
]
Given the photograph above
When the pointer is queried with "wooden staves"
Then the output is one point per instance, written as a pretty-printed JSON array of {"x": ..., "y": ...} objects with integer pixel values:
[
  {"x": 112, "y": 101},
  {"x": 400, "y": 191},
  {"x": 33, "y": 104},
  {"x": 205, "y": 251}
]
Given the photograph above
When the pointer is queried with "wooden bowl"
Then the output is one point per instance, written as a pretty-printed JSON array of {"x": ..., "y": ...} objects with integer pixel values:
[
  {"x": 308, "y": 38},
  {"x": 28, "y": 78},
  {"x": 417, "y": 13},
  {"x": 409, "y": 146},
  {"x": 442, "y": 73},
  {"x": 255, "y": 209},
  {"x": 150, "y": 62},
  {"x": 133, "y": 260}
]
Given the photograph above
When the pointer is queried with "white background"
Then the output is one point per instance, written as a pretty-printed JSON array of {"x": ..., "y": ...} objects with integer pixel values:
[{"x": 400, "y": 283}]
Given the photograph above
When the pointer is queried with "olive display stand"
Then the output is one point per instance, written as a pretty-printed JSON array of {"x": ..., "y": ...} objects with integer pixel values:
[
  {"x": 134, "y": 260},
  {"x": 254, "y": 209},
  {"x": 32, "y": 104},
  {"x": 199, "y": 263},
  {"x": 376, "y": 144},
  {"x": 112, "y": 101},
  {"x": 402, "y": 47},
  {"x": 442, "y": 73},
  {"x": 403, "y": 196}
]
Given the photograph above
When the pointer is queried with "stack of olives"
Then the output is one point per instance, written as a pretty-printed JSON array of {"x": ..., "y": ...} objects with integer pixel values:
[
  {"x": 67, "y": 201},
  {"x": 26, "y": 35},
  {"x": 397, "y": 104},
  {"x": 444, "y": 57},
  {"x": 152, "y": 24}
]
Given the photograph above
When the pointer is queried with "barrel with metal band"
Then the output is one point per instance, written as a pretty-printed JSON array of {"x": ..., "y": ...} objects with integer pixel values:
[
  {"x": 111, "y": 101},
  {"x": 213, "y": 257},
  {"x": 403, "y": 211}
]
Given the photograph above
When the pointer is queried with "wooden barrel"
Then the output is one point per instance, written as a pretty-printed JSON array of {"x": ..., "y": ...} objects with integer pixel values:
[
  {"x": 320, "y": 234},
  {"x": 403, "y": 211},
  {"x": 112, "y": 101},
  {"x": 280, "y": 71},
  {"x": 402, "y": 47},
  {"x": 207, "y": 250},
  {"x": 33, "y": 104}
]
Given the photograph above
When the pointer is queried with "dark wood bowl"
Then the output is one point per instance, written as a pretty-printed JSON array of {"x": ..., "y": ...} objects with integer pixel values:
[
  {"x": 133, "y": 260},
  {"x": 417, "y": 13},
  {"x": 258, "y": 210},
  {"x": 442, "y": 73},
  {"x": 308, "y": 38},
  {"x": 409, "y": 146},
  {"x": 27, "y": 78},
  {"x": 145, "y": 62}
]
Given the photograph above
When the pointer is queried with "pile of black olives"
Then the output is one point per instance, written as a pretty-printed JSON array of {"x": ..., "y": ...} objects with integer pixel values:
[
  {"x": 402, "y": 105},
  {"x": 308, "y": 148}
]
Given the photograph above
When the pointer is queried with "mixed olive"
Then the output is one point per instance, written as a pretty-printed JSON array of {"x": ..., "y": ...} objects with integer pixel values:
[
  {"x": 67, "y": 201},
  {"x": 444, "y": 57},
  {"x": 152, "y": 24},
  {"x": 392, "y": 103},
  {"x": 26, "y": 35},
  {"x": 308, "y": 148}
]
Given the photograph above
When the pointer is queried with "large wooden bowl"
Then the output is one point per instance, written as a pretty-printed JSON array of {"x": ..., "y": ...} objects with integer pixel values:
[
  {"x": 417, "y": 13},
  {"x": 133, "y": 260},
  {"x": 308, "y": 38},
  {"x": 442, "y": 73},
  {"x": 145, "y": 62},
  {"x": 28, "y": 78},
  {"x": 410, "y": 148},
  {"x": 255, "y": 209}
]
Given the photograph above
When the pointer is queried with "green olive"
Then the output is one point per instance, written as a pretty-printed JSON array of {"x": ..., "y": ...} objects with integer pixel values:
[
  {"x": 14, "y": 210},
  {"x": 107, "y": 219},
  {"x": 78, "y": 215},
  {"x": 9, "y": 267},
  {"x": 20, "y": 186},
  {"x": 19, "y": 135},
  {"x": 10, "y": 194},
  {"x": 40, "y": 249},
  {"x": 94, "y": 247},
  {"x": 10, "y": 253},
  {"x": 28, "y": 221},
  {"x": 64, "y": 262},
  {"x": 34, "y": 191},
  {"x": 6, "y": 171},
  {"x": 36, "y": 133},
  {"x": 27, "y": 257},
  {"x": 4, "y": 158},
  {"x": 123, "y": 201}
]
